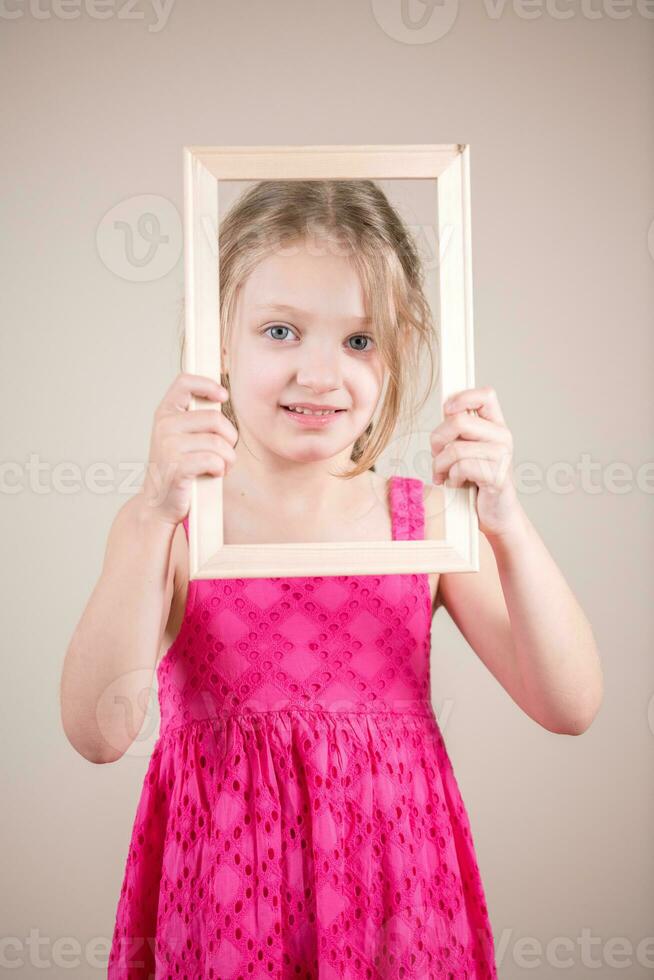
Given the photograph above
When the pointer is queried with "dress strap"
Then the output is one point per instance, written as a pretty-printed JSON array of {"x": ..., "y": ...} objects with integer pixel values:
[{"x": 407, "y": 508}]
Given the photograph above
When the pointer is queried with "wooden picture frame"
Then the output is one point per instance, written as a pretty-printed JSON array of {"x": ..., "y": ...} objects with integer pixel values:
[{"x": 204, "y": 168}]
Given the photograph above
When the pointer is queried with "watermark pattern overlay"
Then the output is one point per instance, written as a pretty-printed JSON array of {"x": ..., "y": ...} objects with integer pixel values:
[
  {"x": 585, "y": 475},
  {"x": 416, "y": 21},
  {"x": 426, "y": 21},
  {"x": 563, "y": 952},
  {"x": 140, "y": 239},
  {"x": 153, "y": 12}
]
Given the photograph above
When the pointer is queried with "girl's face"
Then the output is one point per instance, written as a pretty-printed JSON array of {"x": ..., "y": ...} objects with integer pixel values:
[{"x": 300, "y": 335}]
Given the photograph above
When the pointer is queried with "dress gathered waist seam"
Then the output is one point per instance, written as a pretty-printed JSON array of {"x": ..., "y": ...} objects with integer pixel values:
[{"x": 420, "y": 709}]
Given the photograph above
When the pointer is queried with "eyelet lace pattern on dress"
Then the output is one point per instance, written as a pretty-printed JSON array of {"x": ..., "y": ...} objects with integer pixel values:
[{"x": 300, "y": 817}]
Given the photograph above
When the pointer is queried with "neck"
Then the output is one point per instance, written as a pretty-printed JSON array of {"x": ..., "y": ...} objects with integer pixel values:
[{"x": 295, "y": 490}]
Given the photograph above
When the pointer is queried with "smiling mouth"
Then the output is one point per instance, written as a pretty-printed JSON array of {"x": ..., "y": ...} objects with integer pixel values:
[{"x": 304, "y": 411}]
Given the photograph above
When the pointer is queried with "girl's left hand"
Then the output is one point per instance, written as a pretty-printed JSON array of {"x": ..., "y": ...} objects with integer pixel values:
[{"x": 478, "y": 449}]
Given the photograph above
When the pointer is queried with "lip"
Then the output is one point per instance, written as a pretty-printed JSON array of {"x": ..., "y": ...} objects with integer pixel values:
[
  {"x": 315, "y": 408},
  {"x": 310, "y": 421}
]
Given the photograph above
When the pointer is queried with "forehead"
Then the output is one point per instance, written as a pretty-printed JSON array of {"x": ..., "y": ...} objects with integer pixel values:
[{"x": 319, "y": 284}]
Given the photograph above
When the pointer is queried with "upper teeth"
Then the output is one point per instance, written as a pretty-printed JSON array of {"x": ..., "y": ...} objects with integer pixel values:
[{"x": 308, "y": 411}]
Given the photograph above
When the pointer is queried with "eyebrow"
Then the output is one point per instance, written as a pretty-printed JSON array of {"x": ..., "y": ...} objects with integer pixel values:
[{"x": 285, "y": 308}]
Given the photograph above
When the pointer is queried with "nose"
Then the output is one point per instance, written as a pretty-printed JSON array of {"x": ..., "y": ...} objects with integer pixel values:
[{"x": 319, "y": 370}]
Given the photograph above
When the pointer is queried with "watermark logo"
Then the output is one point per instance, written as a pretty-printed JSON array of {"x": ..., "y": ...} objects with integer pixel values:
[
  {"x": 415, "y": 21},
  {"x": 140, "y": 238},
  {"x": 127, "y": 714}
]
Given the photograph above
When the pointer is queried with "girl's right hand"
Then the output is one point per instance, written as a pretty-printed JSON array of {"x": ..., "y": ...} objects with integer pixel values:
[{"x": 186, "y": 443}]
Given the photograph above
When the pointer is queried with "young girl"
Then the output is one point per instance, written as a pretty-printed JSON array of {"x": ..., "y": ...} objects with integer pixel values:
[{"x": 300, "y": 816}]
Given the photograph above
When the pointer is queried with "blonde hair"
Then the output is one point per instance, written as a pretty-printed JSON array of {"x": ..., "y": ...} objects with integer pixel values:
[{"x": 355, "y": 215}]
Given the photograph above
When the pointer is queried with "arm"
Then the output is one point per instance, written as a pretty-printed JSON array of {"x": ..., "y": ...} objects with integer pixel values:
[
  {"x": 524, "y": 623},
  {"x": 518, "y": 612},
  {"x": 112, "y": 655},
  {"x": 111, "y": 658}
]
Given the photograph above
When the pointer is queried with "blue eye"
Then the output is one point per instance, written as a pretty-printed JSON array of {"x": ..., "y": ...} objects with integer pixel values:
[
  {"x": 276, "y": 326},
  {"x": 358, "y": 336},
  {"x": 361, "y": 336}
]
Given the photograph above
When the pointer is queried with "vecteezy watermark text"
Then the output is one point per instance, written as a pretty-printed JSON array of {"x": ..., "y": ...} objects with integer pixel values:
[
  {"x": 158, "y": 10},
  {"x": 426, "y": 21},
  {"x": 527, "y": 952},
  {"x": 584, "y": 475}
]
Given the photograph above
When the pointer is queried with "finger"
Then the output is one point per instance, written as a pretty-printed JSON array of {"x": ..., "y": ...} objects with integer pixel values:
[
  {"x": 207, "y": 419},
  {"x": 457, "y": 451},
  {"x": 206, "y": 442},
  {"x": 196, "y": 464},
  {"x": 482, "y": 472},
  {"x": 482, "y": 400},
  {"x": 188, "y": 386},
  {"x": 466, "y": 426}
]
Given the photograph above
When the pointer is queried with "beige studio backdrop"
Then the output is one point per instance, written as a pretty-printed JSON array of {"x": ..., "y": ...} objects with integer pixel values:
[{"x": 556, "y": 102}]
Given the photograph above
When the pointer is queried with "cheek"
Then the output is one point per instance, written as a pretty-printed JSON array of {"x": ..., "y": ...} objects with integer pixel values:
[
  {"x": 367, "y": 384},
  {"x": 261, "y": 386}
]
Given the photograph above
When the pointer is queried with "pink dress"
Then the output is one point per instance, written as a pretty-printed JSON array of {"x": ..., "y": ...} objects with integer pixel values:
[{"x": 300, "y": 817}]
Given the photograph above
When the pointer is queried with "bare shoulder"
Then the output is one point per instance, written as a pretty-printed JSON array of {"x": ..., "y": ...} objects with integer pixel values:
[
  {"x": 434, "y": 503},
  {"x": 176, "y": 588},
  {"x": 475, "y": 594},
  {"x": 433, "y": 499},
  {"x": 475, "y": 603},
  {"x": 179, "y": 557},
  {"x": 465, "y": 595}
]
